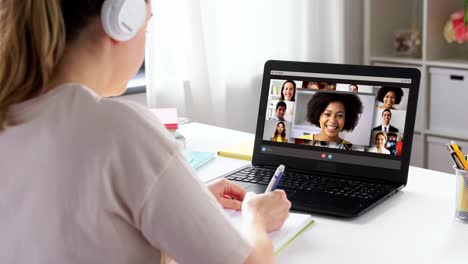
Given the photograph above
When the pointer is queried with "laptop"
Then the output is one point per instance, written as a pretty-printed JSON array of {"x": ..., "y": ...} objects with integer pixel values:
[{"x": 343, "y": 132}]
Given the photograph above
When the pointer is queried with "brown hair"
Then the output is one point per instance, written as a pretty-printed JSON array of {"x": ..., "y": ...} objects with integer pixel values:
[
  {"x": 282, "y": 89},
  {"x": 32, "y": 41},
  {"x": 381, "y": 134},
  {"x": 283, "y": 134},
  {"x": 33, "y": 37}
]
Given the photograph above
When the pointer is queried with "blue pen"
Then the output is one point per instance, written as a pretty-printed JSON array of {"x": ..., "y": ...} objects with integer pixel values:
[{"x": 275, "y": 179}]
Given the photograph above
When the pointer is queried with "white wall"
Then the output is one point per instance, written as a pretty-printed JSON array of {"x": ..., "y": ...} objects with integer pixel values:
[
  {"x": 214, "y": 67},
  {"x": 354, "y": 31}
]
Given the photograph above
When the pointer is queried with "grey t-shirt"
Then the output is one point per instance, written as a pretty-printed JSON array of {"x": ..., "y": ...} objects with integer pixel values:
[{"x": 92, "y": 180}]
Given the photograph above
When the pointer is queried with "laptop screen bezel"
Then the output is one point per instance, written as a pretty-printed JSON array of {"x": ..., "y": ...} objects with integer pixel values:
[{"x": 326, "y": 166}]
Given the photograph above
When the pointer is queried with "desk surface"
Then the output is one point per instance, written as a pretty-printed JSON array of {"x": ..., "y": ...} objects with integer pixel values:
[{"x": 416, "y": 225}]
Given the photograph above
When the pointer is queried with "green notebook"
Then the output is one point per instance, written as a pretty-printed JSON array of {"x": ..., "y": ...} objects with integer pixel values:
[{"x": 295, "y": 225}]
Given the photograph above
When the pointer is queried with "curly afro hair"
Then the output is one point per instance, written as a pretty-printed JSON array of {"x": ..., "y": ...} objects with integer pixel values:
[
  {"x": 320, "y": 100},
  {"x": 384, "y": 90}
]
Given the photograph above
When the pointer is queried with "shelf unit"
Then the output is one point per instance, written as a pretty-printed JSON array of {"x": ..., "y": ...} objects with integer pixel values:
[{"x": 382, "y": 18}]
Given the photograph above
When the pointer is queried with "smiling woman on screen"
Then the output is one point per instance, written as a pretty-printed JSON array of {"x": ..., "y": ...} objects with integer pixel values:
[
  {"x": 333, "y": 113},
  {"x": 288, "y": 91},
  {"x": 389, "y": 96},
  {"x": 380, "y": 140}
]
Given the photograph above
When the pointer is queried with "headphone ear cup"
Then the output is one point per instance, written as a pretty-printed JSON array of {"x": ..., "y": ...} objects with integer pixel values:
[{"x": 122, "y": 19}]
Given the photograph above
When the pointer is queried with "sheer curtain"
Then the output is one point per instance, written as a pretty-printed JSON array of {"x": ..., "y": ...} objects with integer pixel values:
[{"x": 206, "y": 57}]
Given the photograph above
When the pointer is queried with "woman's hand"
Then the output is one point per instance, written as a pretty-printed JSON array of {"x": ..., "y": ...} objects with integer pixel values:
[
  {"x": 227, "y": 193},
  {"x": 270, "y": 210}
]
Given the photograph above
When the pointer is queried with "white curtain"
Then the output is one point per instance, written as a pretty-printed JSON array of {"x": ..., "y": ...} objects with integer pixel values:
[{"x": 206, "y": 57}]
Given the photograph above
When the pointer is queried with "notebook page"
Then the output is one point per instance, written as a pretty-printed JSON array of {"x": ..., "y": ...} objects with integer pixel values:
[{"x": 291, "y": 227}]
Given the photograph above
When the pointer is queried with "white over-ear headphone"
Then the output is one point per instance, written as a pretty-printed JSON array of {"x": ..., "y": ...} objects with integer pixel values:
[{"x": 122, "y": 19}]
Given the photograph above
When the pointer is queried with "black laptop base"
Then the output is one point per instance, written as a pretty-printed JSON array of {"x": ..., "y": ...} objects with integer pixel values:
[{"x": 318, "y": 193}]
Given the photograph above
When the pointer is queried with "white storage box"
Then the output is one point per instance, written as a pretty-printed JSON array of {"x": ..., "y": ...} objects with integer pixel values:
[{"x": 448, "y": 101}]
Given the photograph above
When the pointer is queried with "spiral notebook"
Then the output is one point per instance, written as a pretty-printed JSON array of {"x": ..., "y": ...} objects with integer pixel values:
[{"x": 295, "y": 225}]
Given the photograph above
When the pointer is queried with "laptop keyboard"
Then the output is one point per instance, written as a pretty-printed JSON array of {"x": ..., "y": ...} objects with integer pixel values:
[{"x": 306, "y": 182}]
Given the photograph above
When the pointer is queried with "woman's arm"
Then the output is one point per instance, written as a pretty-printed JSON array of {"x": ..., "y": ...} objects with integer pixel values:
[
  {"x": 262, "y": 214},
  {"x": 262, "y": 248},
  {"x": 180, "y": 216},
  {"x": 230, "y": 196}
]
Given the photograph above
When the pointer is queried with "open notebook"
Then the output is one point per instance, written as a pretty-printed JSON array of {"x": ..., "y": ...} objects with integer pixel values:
[{"x": 295, "y": 225}]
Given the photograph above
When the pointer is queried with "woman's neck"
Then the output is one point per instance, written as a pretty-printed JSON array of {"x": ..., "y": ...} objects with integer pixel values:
[
  {"x": 88, "y": 61},
  {"x": 79, "y": 66}
]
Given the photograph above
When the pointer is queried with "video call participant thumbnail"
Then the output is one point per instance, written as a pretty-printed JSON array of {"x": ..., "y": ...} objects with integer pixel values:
[
  {"x": 389, "y": 96},
  {"x": 393, "y": 144},
  {"x": 280, "y": 133},
  {"x": 353, "y": 88},
  {"x": 311, "y": 85},
  {"x": 288, "y": 91},
  {"x": 333, "y": 113},
  {"x": 380, "y": 141},
  {"x": 280, "y": 111},
  {"x": 386, "y": 118}
]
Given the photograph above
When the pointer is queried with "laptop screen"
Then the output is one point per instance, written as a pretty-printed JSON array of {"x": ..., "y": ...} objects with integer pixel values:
[{"x": 337, "y": 117}]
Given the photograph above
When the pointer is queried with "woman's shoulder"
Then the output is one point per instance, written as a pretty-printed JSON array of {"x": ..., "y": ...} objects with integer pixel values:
[
  {"x": 133, "y": 118},
  {"x": 116, "y": 119},
  {"x": 372, "y": 149}
]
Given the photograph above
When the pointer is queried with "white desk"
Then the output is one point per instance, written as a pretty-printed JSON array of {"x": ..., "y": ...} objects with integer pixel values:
[{"x": 416, "y": 225}]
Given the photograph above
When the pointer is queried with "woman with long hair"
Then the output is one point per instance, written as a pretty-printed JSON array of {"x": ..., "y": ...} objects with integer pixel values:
[
  {"x": 288, "y": 91},
  {"x": 280, "y": 133},
  {"x": 88, "y": 179}
]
